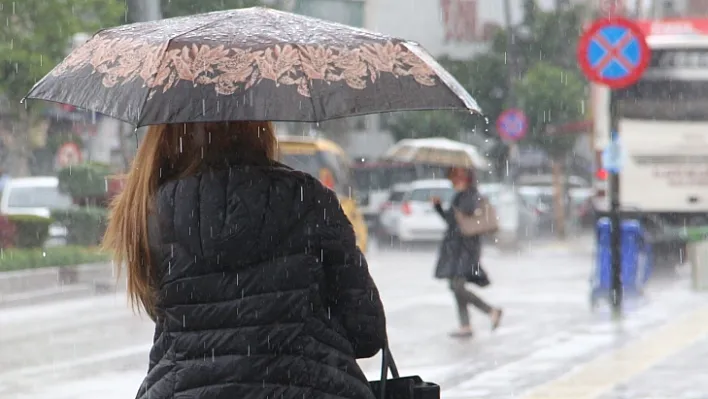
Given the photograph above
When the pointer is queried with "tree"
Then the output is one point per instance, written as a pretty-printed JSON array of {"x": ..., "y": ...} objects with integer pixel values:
[
  {"x": 35, "y": 36},
  {"x": 419, "y": 124},
  {"x": 549, "y": 95},
  {"x": 555, "y": 37},
  {"x": 548, "y": 36},
  {"x": 176, "y": 8},
  {"x": 483, "y": 77}
]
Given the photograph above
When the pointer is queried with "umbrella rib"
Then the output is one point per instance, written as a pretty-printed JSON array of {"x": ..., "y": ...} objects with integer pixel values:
[
  {"x": 162, "y": 59},
  {"x": 309, "y": 87}
]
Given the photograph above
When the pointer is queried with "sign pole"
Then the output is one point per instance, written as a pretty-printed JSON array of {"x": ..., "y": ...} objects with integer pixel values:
[
  {"x": 613, "y": 51},
  {"x": 615, "y": 217}
]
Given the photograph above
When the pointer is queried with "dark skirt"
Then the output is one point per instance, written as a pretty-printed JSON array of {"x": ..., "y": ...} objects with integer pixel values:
[{"x": 459, "y": 256}]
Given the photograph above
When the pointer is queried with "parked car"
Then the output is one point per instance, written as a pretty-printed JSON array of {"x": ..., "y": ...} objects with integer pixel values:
[
  {"x": 326, "y": 161},
  {"x": 409, "y": 215},
  {"x": 514, "y": 213},
  {"x": 374, "y": 181},
  {"x": 36, "y": 196},
  {"x": 388, "y": 211},
  {"x": 537, "y": 191}
]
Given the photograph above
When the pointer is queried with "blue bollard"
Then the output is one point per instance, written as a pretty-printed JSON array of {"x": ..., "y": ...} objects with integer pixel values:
[{"x": 636, "y": 260}]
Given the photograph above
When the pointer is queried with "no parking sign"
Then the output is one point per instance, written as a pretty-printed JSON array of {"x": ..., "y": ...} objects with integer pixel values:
[
  {"x": 613, "y": 52},
  {"x": 512, "y": 124},
  {"x": 67, "y": 155}
]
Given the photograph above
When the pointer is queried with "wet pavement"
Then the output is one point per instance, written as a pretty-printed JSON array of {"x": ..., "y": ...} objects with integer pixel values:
[{"x": 95, "y": 347}]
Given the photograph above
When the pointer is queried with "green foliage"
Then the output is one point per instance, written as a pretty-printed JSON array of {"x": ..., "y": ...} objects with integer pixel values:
[
  {"x": 484, "y": 77},
  {"x": 85, "y": 225},
  {"x": 544, "y": 36},
  {"x": 551, "y": 95},
  {"x": 176, "y": 8},
  {"x": 34, "y": 258},
  {"x": 31, "y": 231},
  {"x": 87, "y": 180},
  {"x": 417, "y": 124},
  {"x": 36, "y": 35},
  {"x": 555, "y": 37}
]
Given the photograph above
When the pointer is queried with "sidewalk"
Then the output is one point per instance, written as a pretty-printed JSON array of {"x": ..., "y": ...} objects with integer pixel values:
[
  {"x": 95, "y": 347},
  {"x": 680, "y": 376},
  {"x": 548, "y": 329}
]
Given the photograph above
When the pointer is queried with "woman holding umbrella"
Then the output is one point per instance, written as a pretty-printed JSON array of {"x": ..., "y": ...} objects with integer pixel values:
[
  {"x": 249, "y": 269},
  {"x": 459, "y": 259}
]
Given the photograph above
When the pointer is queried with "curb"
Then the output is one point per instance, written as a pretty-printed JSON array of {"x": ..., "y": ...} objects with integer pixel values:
[{"x": 26, "y": 284}]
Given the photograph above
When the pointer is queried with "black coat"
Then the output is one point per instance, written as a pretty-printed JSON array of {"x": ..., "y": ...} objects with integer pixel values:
[
  {"x": 263, "y": 292},
  {"x": 459, "y": 255}
]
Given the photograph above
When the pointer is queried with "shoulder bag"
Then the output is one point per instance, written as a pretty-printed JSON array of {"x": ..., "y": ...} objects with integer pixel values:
[
  {"x": 482, "y": 221},
  {"x": 399, "y": 387}
]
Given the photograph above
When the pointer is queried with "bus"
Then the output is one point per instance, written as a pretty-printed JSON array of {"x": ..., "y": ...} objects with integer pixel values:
[{"x": 663, "y": 131}]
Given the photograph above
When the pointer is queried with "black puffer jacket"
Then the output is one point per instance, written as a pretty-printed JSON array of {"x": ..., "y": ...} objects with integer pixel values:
[{"x": 263, "y": 293}]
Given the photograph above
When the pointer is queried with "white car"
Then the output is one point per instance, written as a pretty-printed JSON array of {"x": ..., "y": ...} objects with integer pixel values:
[
  {"x": 388, "y": 213},
  {"x": 37, "y": 196},
  {"x": 409, "y": 214},
  {"x": 515, "y": 216}
]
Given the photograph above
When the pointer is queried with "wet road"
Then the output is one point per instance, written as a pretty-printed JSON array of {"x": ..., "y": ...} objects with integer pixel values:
[{"x": 95, "y": 347}]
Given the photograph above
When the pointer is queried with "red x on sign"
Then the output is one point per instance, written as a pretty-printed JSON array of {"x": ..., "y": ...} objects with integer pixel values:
[{"x": 613, "y": 52}]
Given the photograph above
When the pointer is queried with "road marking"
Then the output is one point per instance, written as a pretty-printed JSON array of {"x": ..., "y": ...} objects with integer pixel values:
[
  {"x": 73, "y": 307},
  {"x": 142, "y": 349},
  {"x": 7, "y": 299},
  {"x": 598, "y": 376}
]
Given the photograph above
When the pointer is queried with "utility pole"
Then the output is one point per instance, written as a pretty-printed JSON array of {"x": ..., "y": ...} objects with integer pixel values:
[
  {"x": 143, "y": 10},
  {"x": 512, "y": 61},
  {"x": 138, "y": 11}
]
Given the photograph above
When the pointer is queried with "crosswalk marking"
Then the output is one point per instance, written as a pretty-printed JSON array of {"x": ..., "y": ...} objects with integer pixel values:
[{"x": 596, "y": 377}]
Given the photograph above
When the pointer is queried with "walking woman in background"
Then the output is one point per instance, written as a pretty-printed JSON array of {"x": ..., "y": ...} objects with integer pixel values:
[
  {"x": 459, "y": 259},
  {"x": 249, "y": 269}
]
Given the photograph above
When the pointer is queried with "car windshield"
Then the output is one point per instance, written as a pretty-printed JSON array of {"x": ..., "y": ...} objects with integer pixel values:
[
  {"x": 303, "y": 162},
  {"x": 425, "y": 194},
  {"x": 382, "y": 177},
  {"x": 38, "y": 197},
  {"x": 396, "y": 196}
]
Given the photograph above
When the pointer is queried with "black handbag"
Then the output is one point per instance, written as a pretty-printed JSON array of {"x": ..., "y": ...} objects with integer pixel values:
[
  {"x": 399, "y": 387},
  {"x": 479, "y": 277}
]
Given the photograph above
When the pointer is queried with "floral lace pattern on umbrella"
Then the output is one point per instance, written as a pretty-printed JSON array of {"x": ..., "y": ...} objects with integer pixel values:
[{"x": 229, "y": 70}]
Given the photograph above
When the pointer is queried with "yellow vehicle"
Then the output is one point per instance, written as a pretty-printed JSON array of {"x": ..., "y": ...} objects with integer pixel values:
[{"x": 326, "y": 161}]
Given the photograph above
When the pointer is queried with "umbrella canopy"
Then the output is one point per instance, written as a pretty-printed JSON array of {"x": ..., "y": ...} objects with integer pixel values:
[
  {"x": 439, "y": 151},
  {"x": 248, "y": 64}
]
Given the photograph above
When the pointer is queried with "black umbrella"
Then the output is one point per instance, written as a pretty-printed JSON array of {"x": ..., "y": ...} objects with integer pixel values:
[{"x": 248, "y": 64}]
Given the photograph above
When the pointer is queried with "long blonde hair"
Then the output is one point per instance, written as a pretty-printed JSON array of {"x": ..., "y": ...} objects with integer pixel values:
[{"x": 171, "y": 151}]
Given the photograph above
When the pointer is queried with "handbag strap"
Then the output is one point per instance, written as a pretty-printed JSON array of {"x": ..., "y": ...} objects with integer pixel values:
[{"x": 387, "y": 363}]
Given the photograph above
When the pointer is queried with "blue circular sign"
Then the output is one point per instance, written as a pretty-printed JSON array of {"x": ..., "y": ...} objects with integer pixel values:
[
  {"x": 512, "y": 124},
  {"x": 613, "y": 52}
]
